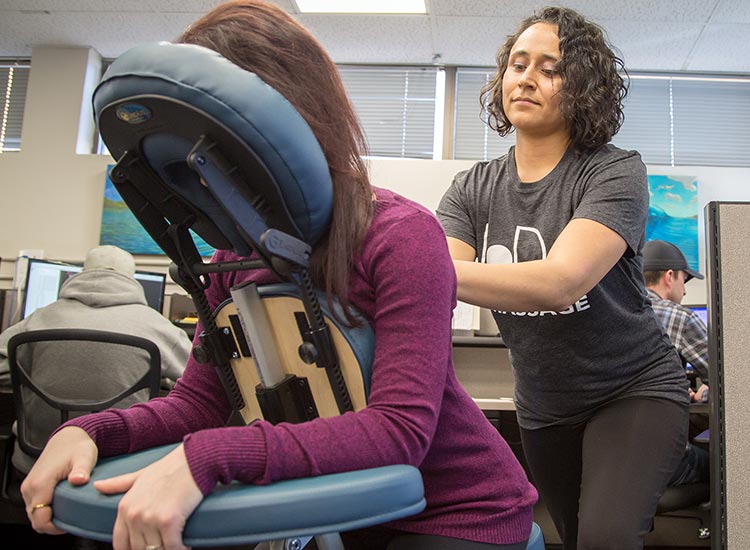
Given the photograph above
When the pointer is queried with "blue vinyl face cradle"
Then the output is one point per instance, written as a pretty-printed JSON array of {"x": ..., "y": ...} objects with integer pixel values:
[{"x": 143, "y": 78}]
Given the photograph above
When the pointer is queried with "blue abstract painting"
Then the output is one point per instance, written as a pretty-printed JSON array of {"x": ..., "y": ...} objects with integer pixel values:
[
  {"x": 121, "y": 228},
  {"x": 673, "y": 214}
]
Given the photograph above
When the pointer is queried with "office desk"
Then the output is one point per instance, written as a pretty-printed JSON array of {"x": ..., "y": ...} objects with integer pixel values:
[
  {"x": 699, "y": 408},
  {"x": 478, "y": 342},
  {"x": 495, "y": 404},
  {"x": 483, "y": 368},
  {"x": 189, "y": 328}
]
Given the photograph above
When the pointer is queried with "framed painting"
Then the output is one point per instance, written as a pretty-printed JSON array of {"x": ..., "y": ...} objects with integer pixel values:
[
  {"x": 673, "y": 214},
  {"x": 121, "y": 228}
]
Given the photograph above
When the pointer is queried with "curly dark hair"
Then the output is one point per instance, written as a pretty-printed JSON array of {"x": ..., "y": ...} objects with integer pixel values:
[{"x": 592, "y": 86}]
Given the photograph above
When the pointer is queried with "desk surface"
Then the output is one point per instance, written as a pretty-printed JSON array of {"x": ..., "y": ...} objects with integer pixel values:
[
  {"x": 478, "y": 341},
  {"x": 496, "y": 404},
  {"x": 699, "y": 408}
]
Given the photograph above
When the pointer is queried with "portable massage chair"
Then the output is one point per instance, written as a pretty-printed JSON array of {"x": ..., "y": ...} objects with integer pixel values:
[{"x": 205, "y": 146}]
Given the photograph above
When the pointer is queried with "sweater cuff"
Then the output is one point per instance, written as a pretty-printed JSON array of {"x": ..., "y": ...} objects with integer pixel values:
[
  {"x": 108, "y": 431},
  {"x": 223, "y": 455}
]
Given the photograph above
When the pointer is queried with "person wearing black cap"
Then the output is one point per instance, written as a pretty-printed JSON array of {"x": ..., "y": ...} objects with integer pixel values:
[{"x": 666, "y": 271}]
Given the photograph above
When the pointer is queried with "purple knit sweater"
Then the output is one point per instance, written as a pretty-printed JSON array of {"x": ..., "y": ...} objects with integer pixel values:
[{"x": 418, "y": 413}]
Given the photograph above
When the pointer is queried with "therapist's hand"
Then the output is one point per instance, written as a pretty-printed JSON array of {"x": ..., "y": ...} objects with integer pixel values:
[
  {"x": 157, "y": 502},
  {"x": 70, "y": 454}
]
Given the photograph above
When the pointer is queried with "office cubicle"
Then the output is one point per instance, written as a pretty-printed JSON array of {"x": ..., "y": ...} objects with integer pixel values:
[{"x": 728, "y": 269}]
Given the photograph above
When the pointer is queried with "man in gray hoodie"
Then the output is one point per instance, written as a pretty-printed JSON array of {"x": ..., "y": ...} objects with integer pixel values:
[{"x": 103, "y": 296}]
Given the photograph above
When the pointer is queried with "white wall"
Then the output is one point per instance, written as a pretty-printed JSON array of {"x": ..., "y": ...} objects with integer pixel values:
[{"x": 51, "y": 197}]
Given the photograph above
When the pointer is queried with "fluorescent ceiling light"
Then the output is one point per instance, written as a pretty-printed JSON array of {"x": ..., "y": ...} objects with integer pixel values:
[{"x": 362, "y": 6}]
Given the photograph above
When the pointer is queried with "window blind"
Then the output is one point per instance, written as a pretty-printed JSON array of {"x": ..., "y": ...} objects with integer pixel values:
[
  {"x": 396, "y": 107},
  {"x": 14, "y": 80},
  {"x": 688, "y": 121},
  {"x": 472, "y": 137},
  {"x": 647, "y": 127},
  {"x": 711, "y": 122},
  {"x": 669, "y": 119}
]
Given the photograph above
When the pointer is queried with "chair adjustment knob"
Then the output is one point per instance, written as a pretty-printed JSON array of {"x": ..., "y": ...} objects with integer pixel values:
[
  {"x": 200, "y": 354},
  {"x": 308, "y": 352}
]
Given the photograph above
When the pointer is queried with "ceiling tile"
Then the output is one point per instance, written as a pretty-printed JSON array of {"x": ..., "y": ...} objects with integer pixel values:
[
  {"x": 654, "y": 46},
  {"x": 196, "y": 6},
  {"x": 652, "y": 34},
  {"x": 732, "y": 11},
  {"x": 471, "y": 40},
  {"x": 645, "y": 10},
  {"x": 712, "y": 54},
  {"x": 373, "y": 39},
  {"x": 513, "y": 9},
  {"x": 110, "y": 35},
  {"x": 636, "y": 10}
]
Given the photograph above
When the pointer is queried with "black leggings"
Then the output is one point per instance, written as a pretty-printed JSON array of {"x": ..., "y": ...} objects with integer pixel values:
[{"x": 601, "y": 480}]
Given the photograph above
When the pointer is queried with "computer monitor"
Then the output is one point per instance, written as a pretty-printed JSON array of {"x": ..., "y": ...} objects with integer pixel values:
[
  {"x": 44, "y": 279},
  {"x": 153, "y": 286},
  {"x": 702, "y": 312}
]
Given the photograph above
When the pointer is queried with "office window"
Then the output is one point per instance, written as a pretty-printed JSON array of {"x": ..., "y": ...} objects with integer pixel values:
[
  {"x": 647, "y": 127},
  {"x": 711, "y": 122},
  {"x": 101, "y": 147},
  {"x": 680, "y": 120},
  {"x": 472, "y": 137},
  {"x": 671, "y": 120},
  {"x": 396, "y": 107},
  {"x": 14, "y": 80}
]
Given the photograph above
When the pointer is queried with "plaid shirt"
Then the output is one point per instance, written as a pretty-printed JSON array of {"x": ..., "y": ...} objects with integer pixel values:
[{"x": 686, "y": 330}]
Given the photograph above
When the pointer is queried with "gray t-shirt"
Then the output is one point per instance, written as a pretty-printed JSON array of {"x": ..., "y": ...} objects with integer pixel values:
[{"x": 609, "y": 344}]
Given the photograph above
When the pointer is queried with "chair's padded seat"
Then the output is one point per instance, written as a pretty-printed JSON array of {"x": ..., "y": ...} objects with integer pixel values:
[
  {"x": 536, "y": 538},
  {"x": 246, "y": 514},
  {"x": 683, "y": 496}
]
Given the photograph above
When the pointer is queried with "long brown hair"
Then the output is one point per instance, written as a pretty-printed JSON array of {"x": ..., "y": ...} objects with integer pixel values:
[
  {"x": 264, "y": 39},
  {"x": 592, "y": 88}
]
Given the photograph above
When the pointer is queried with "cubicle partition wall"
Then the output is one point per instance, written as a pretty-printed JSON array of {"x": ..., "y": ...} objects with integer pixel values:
[{"x": 728, "y": 251}]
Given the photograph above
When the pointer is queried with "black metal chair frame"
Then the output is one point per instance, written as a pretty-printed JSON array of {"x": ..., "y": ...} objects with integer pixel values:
[{"x": 20, "y": 378}]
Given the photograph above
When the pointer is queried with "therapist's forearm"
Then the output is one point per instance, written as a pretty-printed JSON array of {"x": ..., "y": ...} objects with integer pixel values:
[{"x": 526, "y": 286}]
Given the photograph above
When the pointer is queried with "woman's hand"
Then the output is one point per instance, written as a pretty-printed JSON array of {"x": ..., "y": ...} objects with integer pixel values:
[
  {"x": 158, "y": 501},
  {"x": 698, "y": 395},
  {"x": 71, "y": 454}
]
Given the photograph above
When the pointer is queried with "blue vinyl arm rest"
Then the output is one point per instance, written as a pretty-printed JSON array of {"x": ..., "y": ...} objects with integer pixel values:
[{"x": 247, "y": 514}]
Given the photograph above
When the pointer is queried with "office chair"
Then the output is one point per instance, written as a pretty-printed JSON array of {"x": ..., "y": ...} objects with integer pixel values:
[
  {"x": 229, "y": 158},
  {"x": 52, "y": 402},
  {"x": 10, "y": 511},
  {"x": 691, "y": 501}
]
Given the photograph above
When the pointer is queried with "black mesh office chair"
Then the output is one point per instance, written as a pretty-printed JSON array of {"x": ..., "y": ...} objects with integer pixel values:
[{"x": 67, "y": 392}]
